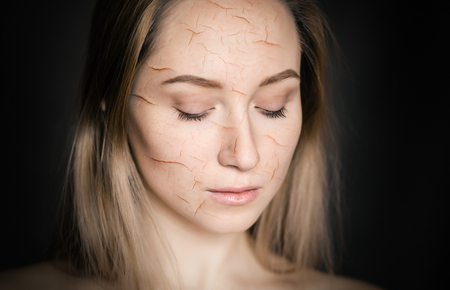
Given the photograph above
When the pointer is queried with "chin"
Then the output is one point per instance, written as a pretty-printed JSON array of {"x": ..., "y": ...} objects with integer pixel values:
[
  {"x": 207, "y": 215},
  {"x": 227, "y": 224}
]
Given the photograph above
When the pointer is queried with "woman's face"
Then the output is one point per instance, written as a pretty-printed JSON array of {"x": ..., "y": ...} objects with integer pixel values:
[{"x": 215, "y": 112}]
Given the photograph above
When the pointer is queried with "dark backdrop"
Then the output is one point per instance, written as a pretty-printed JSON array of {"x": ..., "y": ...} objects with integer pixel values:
[{"x": 391, "y": 98}]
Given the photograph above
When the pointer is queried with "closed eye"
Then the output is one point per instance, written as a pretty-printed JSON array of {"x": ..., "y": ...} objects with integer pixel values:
[
  {"x": 186, "y": 117},
  {"x": 281, "y": 113}
]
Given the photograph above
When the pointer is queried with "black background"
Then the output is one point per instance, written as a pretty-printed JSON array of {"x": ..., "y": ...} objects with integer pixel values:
[{"x": 391, "y": 98}]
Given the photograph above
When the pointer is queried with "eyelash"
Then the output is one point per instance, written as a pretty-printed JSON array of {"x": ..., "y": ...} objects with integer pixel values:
[
  {"x": 281, "y": 113},
  {"x": 182, "y": 116}
]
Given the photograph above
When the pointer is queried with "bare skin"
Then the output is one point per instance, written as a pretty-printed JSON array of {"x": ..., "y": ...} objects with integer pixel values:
[
  {"x": 208, "y": 110},
  {"x": 216, "y": 105},
  {"x": 51, "y": 276},
  {"x": 227, "y": 64}
]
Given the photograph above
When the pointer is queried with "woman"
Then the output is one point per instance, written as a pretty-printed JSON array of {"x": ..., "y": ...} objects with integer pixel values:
[{"x": 199, "y": 160}]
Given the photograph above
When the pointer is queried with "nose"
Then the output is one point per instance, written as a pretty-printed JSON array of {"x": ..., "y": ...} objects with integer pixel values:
[{"x": 239, "y": 149}]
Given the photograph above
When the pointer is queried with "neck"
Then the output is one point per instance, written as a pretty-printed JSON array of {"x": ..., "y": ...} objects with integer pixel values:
[{"x": 203, "y": 258}]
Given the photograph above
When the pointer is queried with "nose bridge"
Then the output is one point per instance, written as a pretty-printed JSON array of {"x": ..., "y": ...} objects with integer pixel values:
[{"x": 239, "y": 147}]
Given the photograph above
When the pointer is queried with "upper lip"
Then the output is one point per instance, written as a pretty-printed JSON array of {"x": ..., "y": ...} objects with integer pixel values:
[{"x": 235, "y": 189}]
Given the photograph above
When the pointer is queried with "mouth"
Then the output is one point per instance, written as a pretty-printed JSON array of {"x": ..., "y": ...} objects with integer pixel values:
[{"x": 235, "y": 195}]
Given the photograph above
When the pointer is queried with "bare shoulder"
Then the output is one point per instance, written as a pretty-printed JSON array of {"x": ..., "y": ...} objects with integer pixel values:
[
  {"x": 312, "y": 279},
  {"x": 304, "y": 279},
  {"x": 43, "y": 276}
]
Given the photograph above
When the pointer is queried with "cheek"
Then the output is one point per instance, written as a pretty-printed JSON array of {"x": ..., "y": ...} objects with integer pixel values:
[
  {"x": 278, "y": 144},
  {"x": 169, "y": 160},
  {"x": 278, "y": 158}
]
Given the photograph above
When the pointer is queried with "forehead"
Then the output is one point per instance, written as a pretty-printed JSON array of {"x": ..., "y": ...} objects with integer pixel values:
[{"x": 227, "y": 38}]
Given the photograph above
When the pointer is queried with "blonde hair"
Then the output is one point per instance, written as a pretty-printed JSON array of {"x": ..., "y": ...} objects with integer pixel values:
[{"x": 102, "y": 228}]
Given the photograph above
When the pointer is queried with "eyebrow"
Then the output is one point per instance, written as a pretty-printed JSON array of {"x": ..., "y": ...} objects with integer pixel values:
[
  {"x": 213, "y": 84},
  {"x": 289, "y": 73}
]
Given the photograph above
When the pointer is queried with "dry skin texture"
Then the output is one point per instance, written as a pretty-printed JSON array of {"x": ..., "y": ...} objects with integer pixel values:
[{"x": 231, "y": 62}]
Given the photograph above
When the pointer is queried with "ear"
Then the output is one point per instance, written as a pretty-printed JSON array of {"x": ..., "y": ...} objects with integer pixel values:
[{"x": 103, "y": 106}]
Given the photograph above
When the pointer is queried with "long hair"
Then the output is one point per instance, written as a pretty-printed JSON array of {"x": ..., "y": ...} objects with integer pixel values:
[
  {"x": 102, "y": 225},
  {"x": 295, "y": 224}
]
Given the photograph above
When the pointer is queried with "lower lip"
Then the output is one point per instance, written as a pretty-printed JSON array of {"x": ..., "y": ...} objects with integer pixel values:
[{"x": 234, "y": 198}]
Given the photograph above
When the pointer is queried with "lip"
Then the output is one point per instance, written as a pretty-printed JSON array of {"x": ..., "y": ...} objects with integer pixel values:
[{"x": 235, "y": 195}]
